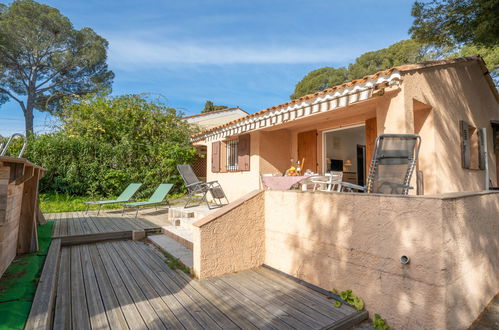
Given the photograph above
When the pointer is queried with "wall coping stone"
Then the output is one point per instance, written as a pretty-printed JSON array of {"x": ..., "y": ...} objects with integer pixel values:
[{"x": 227, "y": 208}]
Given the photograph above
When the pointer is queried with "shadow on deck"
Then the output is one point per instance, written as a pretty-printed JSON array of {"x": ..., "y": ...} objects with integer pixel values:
[{"x": 126, "y": 284}]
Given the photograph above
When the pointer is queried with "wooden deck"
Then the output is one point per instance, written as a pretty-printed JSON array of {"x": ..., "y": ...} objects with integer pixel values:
[
  {"x": 80, "y": 223},
  {"x": 126, "y": 284}
]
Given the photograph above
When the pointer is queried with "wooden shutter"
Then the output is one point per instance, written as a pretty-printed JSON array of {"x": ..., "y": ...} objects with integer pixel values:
[
  {"x": 215, "y": 157},
  {"x": 371, "y": 129},
  {"x": 243, "y": 153},
  {"x": 482, "y": 140},
  {"x": 307, "y": 149},
  {"x": 465, "y": 144}
]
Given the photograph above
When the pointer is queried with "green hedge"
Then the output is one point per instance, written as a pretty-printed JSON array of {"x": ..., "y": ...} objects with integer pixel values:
[{"x": 104, "y": 143}]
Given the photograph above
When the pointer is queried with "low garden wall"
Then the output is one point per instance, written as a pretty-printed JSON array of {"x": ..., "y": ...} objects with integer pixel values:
[
  {"x": 231, "y": 239},
  {"x": 355, "y": 241}
]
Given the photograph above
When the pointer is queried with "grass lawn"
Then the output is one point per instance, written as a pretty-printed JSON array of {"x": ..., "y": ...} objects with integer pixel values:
[
  {"x": 18, "y": 283},
  {"x": 56, "y": 202}
]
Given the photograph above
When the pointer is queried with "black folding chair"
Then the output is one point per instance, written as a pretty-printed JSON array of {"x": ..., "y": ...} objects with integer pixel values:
[
  {"x": 392, "y": 165},
  {"x": 196, "y": 187}
]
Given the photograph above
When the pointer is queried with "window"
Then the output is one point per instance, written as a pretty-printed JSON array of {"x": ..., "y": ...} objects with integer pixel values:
[
  {"x": 232, "y": 155},
  {"x": 472, "y": 155}
]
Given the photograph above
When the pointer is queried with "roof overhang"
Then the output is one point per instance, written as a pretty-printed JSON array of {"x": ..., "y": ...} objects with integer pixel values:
[{"x": 291, "y": 111}]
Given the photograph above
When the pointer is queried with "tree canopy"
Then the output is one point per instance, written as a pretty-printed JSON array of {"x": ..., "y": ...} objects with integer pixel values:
[
  {"x": 44, "y": 59},
  {"x": 209, "y": 107},
  {"x": 320, "y": 79},
  {"x": 402, "y": 52},
  {"x": 104, "y": 143},
  {"x": 451, "y": 22}
]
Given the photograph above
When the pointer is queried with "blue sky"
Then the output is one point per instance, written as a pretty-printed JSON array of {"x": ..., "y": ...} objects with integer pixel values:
[{"x": 237, "y": 53}]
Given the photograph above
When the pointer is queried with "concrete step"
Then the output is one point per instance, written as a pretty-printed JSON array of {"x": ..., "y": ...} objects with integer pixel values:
[
  {"x": 180, "y": 234},
  {"x": 168, "y": 244}
]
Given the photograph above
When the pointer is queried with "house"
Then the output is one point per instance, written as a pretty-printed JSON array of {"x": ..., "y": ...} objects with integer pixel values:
[
  {"x": 445, "y": 102},
  {"x": 428, "y": 260},
  {"x": 206, "y": 121}
]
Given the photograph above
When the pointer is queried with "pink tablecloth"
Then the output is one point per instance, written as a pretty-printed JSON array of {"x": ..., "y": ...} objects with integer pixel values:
[{"x": 281, "y": 182}]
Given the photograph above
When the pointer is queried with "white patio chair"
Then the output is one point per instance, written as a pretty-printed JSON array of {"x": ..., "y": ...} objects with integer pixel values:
[{"x": 329, "y": 182}]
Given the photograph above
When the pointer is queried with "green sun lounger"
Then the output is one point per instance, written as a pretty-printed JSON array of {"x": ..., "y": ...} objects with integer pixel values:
[
  {"x": 158, "y": 197},
  {"x": 123, "y": 198}
]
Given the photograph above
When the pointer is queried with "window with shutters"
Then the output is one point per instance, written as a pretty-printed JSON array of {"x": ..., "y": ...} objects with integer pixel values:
[
  {"x": 235, "y": 154},
  {"x": 232, "y": 155},
  {"x": 471, "y": 153}
]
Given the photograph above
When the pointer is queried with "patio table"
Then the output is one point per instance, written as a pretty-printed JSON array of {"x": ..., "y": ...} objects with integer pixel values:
[{"x": 282, "y": 182}]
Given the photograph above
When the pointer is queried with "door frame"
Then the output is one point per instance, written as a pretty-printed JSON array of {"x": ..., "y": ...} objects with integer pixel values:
[{"x": 341, "y": 128}]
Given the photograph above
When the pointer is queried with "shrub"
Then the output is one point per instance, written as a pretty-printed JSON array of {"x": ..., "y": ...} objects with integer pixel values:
[{"x": 104, "y": 143}]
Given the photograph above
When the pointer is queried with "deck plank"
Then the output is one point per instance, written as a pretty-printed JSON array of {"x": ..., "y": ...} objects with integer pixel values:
[
  {"x": 131, "y": 224},
  {"x": 303, "y": 311},
  {"x": 79, "y": 310},
  {"x": 90, "y": 224},
  {"x": 57, "y": 224},
  {"x": 130, "y": 310},
  {"x": 306, "y": 293},
  {"x": 242, "y": 311},
  {"x": 64, "y": 226},
  {"x": 325, "y": 307},
  {"x": 193, "y": 289},
  {"x": 164, "y": 313},
  {"x": 97, "y": 312},
  {"x": 71, "y": 226},
  {"x": 210, "y": 298},
  {"x": 170, "y": 276},
  {"x": 169, "y": 295},
  {"x": 114, "y": 312},
  {"x": 80, "y": 223},
  {"x": 274, "y": 309},
  {"x": 40, "y": 316},
  {"x": 124, "y": 284},
  {"x": 62, "y": 313},
  {"x": 255, "y": 313},
  {"x": 144, "y": 307},
  {"x": 96, "y": 223},
  {"x": 84, "y": 224}
]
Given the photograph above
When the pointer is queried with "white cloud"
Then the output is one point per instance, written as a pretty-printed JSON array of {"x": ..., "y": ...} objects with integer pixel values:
[{"x": 126, "y": 52}]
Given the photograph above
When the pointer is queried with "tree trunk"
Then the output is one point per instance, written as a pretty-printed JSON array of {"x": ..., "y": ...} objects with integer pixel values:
[
  {"x": 28, "y": 120},
  {"x": 28, "y": 111},
  {"x": 28, "y": 117}
]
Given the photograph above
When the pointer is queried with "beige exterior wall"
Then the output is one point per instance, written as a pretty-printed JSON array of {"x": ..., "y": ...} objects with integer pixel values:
[
  {"x": 355, "y": 241},
  {"x": 461, "y": 94},
  {"x": 238, "y": 184},
  {"x": 429, "y": 102},
  {"x": 231, "y": 239}
]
